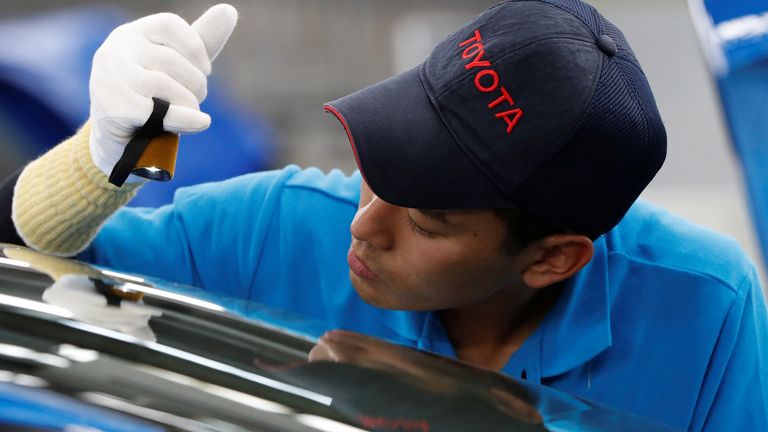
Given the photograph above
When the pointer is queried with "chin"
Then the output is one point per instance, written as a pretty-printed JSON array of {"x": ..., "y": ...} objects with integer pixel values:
[
  {"x": 371, "y": 294},
  {"x": 383, "y": 299}
]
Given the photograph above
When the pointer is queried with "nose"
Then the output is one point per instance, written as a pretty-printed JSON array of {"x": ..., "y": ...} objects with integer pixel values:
[{"x": 373, "y": 224}]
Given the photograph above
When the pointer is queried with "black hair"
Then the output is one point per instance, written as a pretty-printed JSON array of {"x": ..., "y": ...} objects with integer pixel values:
[{"x": 523, "y": 229}]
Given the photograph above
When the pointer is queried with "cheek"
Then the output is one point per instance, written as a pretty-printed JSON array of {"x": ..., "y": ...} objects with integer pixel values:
[{"x": 450, "y": 276}]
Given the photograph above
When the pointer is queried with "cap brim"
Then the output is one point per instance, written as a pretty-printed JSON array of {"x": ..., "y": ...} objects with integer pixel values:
[{"x": 406, "y": 154}]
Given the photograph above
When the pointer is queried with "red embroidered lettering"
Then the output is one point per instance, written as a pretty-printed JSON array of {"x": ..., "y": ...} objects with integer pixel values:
[
  {"x": 510, "y": 123},
  {"x": 478, "y": 53},
  {"x": 475, "y": 63},
  {"x": 475, "y": 50},
  {"x": 487, "y": 72},
  {"x": 477, "y": 38},
  {"x": 504, "y": 97}
]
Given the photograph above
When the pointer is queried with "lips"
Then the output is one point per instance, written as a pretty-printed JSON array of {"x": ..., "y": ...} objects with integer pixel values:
[{"x": 359, "y": 268}]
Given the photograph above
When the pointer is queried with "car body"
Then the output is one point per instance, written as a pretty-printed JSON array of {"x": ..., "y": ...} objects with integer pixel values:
[{"x": 209, "y": 363}]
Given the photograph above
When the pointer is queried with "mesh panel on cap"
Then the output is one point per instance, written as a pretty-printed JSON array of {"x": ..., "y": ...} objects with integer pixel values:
[
  {"x": 610, "y": 158},
  {"x": 601, "y": 168}
]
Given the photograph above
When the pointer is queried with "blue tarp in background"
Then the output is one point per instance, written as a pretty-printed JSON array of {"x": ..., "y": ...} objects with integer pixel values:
[{"x": 734, "y": 37}]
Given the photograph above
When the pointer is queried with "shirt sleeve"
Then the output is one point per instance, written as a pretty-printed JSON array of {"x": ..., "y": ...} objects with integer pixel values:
[
  {"x": 209, "y": 237},
  {"x": 734, "y": 395}
]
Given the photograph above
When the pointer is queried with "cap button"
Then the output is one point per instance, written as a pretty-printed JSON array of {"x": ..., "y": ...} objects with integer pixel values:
[{"x": 607, "y": 45}]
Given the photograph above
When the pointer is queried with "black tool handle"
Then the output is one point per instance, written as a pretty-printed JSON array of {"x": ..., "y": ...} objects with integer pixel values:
[{"x": 151, "y": 128}]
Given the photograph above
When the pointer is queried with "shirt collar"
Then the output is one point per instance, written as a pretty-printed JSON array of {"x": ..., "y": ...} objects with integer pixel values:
[{"x": 579, "y": 325}]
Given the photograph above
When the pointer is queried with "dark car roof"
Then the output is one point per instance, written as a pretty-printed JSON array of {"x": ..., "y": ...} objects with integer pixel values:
[{"x": 230, "y": 365}]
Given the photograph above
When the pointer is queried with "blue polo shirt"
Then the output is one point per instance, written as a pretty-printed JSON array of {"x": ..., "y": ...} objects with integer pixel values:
[{"x": 667, "y": 321}]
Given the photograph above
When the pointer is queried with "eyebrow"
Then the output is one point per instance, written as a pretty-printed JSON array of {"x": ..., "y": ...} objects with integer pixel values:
[{"x": 439, "y": 215}]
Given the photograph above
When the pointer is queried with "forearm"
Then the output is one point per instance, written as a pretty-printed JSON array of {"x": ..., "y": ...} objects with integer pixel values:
[{"x": 61, "y": 199}]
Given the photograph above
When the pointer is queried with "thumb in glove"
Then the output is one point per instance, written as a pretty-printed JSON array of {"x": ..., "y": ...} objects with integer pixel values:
[{"x": 159, "y": 56}]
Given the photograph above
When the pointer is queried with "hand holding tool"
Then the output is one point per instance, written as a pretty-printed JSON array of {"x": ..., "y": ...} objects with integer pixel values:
[{"x": 147, "y": 81}]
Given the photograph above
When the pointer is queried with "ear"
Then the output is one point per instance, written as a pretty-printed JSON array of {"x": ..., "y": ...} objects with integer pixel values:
[{"x": 557, "y": 258}]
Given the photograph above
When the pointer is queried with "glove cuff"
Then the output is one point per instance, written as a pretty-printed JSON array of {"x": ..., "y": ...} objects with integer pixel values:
[{"x": 61, "y": 199}]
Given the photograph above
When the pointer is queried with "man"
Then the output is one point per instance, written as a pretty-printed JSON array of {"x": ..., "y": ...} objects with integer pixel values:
[{"x": 483, "y": 220}]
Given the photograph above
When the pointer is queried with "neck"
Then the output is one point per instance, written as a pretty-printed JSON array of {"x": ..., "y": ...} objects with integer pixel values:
[{"x": 487, "y": 333}]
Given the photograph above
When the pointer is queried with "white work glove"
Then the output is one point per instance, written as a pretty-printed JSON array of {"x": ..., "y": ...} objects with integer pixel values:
[
  {"x": 78, "y": 294},
  {"x": 156, "y": 56}
]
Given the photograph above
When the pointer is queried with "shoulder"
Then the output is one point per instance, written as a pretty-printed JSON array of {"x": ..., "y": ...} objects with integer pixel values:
[
  {"x": 252, "y": 205},
  {"x": 654, "y": 237},
  {"x": 254, "y": 188},
  {"x": 319, "y": 205},
  {"x": 334, "y": 184}
]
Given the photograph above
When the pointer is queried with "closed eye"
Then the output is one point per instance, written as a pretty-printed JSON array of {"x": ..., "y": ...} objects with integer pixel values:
[{"x": 419, "y": 230}]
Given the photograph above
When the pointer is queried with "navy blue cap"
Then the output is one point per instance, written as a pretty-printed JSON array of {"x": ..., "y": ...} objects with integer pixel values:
[{"x": 534, "y": 104}]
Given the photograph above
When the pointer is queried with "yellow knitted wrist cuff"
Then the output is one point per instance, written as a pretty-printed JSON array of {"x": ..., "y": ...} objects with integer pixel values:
[{"x": 61, "y": 199}]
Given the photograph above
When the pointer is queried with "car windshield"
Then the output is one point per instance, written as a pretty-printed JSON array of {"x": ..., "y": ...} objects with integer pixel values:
[{"x": 172, "y": 357}]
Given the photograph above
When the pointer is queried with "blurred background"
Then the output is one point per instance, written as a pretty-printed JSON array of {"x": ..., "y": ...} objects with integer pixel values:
[{"x": 287, "y": 57}]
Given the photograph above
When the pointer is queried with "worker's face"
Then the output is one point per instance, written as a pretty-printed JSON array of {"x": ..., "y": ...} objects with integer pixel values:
[{"x": 401, "y": 258}]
